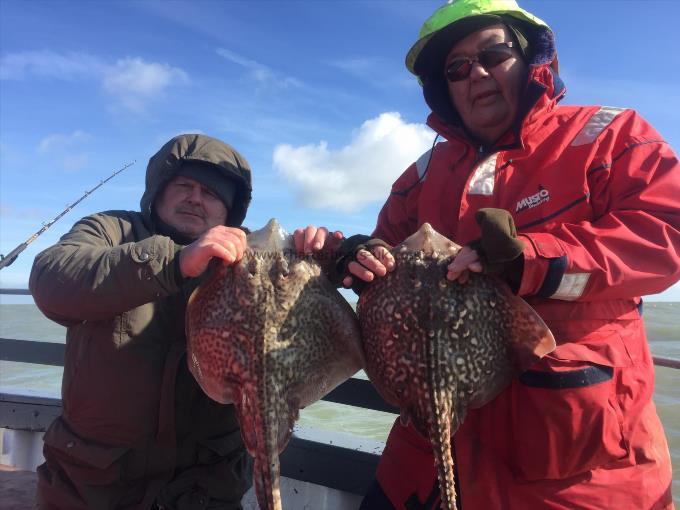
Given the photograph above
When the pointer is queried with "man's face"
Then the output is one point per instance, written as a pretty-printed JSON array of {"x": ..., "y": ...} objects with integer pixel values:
[
  {"x": 190, "y": 207},
  {"x": 487, "y": 100}
]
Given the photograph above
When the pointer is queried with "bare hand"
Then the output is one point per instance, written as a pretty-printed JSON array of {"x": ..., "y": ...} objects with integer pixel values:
[
  {"x": 220, "y": 242},
  {"x": 465, "y": 261},
  {"x": 313, "y": 239},
  {"x": 378, "y": 262}
]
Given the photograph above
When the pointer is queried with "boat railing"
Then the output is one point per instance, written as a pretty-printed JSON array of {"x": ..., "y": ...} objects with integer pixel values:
[
  {"x": 336, "y": 460},
  {"x": 325, "y": 458}
]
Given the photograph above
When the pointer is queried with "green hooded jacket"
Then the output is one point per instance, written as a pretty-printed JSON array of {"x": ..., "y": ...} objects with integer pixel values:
[{"x": 135, "y": 427}]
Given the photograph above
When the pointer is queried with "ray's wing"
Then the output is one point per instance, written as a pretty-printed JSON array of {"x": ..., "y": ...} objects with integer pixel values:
[
  {"x": 524, "y": 333},
  {"x": 332, "y": 342}
]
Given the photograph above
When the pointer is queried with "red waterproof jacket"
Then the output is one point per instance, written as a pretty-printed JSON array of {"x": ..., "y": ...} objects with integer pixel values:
[{"x": 595, "y": 194}]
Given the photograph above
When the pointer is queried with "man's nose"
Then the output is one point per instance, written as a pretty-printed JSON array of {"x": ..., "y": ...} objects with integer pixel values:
[
  {"x": 195, "y": 195},
  {"x": 478, "y": 71}
]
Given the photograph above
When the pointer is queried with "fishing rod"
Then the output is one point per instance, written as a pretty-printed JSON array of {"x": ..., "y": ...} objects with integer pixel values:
[{"x": 6, "y": 260}]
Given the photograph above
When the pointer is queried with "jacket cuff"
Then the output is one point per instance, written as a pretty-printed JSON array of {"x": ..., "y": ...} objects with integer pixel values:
[{"x": 545, "y": 262}]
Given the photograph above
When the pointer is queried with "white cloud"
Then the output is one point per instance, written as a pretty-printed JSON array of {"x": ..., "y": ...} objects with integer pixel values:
[
  {"x": 61, "y": 140},
  {"x": 259, "y": 72},
  {"x": 62, "y": 145},
  {"x": 134, "y": 76},
  {"x": 359, "y": 173},
  {"x": 48, "y": 64},
  {"x": 132, "y": 80}
]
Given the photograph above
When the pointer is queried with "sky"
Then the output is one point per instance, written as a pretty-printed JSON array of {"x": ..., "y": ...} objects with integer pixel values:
[{"x": 314, "y": 94}]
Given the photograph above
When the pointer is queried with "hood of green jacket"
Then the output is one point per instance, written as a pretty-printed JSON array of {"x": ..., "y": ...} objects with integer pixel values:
[{"x": 198, "y": 148}]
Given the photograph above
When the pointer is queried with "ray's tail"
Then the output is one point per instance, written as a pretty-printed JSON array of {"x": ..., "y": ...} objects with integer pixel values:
[
  {"x": 266, "y": 469},
  {"x": 441, "y": 417},
  {"x": 442, "y": 450}
]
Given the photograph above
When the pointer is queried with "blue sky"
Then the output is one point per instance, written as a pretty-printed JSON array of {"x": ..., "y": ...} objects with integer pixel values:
[{"x": 313, "y": 93}]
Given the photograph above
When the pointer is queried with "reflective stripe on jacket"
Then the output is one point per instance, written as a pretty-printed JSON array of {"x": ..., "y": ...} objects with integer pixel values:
[{"x": 594, "y": 194}]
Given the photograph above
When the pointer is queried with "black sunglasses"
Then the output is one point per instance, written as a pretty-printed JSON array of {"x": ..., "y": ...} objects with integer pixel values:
[{"x": 460, "y": 68}]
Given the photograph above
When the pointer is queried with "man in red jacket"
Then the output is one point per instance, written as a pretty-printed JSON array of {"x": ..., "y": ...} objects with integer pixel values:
[{"x": 576, "y": 207}]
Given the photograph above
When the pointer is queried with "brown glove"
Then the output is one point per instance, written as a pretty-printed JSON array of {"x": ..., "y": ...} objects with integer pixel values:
[
  {"x": 347, "y": 253},
  {"x": 499, "y": 250}
]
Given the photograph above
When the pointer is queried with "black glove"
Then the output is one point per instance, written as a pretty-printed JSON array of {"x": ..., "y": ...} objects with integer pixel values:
[
  {"x": 499, "y": 250},
  {"x": 347, "y": 253}
]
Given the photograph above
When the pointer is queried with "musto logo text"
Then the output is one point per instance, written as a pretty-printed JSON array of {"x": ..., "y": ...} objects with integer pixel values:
[{"x": 543, "y": 195}]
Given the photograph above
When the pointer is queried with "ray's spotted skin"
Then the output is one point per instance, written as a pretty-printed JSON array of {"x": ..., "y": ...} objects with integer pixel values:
[
  {"x": 271, "y": 335},
  {"x": 435, "y": 348}
]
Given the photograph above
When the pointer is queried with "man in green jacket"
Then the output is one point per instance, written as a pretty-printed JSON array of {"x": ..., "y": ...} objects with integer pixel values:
[{"x": 136, "y": 431}]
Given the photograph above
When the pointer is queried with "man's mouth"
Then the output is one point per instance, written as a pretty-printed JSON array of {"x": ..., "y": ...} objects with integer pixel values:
[
  {"x": 484, "y": 95},
  {"x": 191, "y": 213}
]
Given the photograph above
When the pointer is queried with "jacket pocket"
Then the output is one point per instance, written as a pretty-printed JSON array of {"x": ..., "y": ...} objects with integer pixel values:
[
  {"x": 566, "y": 419},
  {"x": 85, "y": 461}
]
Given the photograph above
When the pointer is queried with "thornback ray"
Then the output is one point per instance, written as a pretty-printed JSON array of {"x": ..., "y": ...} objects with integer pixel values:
[
  {"x": 272, "y": 335},
  {"x": 436, "y": 348}
]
